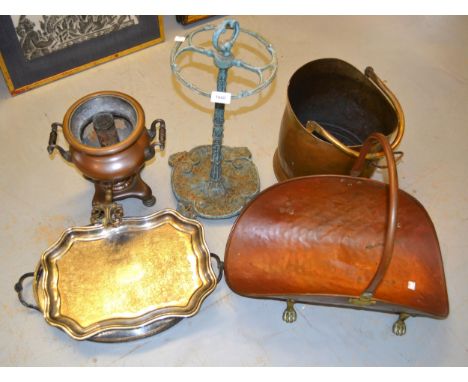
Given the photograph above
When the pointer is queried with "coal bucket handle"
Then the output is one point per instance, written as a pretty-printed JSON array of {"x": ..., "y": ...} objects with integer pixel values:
[
  {"x": 366, "y": 297},
  {"x": 370, "y": 73}
]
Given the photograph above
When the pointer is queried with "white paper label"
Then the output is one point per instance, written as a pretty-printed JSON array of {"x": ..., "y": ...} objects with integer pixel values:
[
  {"x": 179, "y": 38},
  {"x": 221, "y": 97},
  {"x": 412, "y": 285}
]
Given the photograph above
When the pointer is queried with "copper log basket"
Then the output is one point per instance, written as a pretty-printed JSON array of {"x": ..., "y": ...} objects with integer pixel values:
[{"x": 342, "y": 241}]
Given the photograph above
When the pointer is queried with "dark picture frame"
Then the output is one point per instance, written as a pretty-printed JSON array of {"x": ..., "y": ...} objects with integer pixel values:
[
  {"x": 190, "y": 19},
  {"x": 22, "y": 74}
]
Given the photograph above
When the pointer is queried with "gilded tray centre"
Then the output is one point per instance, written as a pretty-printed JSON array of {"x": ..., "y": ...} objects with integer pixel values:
[{"x": 126, "y": 275}]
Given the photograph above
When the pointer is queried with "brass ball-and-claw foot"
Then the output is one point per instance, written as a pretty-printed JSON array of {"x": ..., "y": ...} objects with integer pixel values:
[
  {"x": 399, "y": 327},
  {"x": 150, "y": 202},
  {"x": 289, "y": 314}
]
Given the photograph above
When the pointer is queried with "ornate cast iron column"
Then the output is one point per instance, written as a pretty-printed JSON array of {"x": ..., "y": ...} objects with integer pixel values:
[{"x": 216, "y": 181}]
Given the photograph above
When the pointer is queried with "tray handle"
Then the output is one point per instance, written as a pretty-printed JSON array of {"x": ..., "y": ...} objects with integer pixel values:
[
  {"x": 366, "y": 297},
  {"x": 19, "y": 290},
  {"x": 220, "y": 265}
]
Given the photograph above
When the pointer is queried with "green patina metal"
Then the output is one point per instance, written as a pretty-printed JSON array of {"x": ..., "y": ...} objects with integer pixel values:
[{"x": 217, "y": 181}]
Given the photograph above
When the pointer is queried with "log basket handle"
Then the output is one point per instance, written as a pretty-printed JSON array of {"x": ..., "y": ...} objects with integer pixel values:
[{"x": 366, "y": 297}]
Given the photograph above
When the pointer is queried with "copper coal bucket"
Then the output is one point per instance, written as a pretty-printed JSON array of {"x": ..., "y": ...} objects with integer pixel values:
[{"x": 332, "y": 108}]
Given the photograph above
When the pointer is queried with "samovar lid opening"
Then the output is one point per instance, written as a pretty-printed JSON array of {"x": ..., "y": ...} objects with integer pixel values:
[{"x": 103, "y": 123}]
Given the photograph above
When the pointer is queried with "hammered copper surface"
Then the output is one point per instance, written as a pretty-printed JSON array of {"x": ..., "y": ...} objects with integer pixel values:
[
  {"x": 97, "y": 279},
  {"x": 319, "y": 239}
]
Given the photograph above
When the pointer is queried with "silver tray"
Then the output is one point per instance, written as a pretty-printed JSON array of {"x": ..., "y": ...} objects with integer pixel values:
[{"x": 124, "y": 282}]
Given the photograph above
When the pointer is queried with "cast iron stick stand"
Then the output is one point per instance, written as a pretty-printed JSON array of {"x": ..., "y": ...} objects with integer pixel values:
[{"x": 217, "y": 181}]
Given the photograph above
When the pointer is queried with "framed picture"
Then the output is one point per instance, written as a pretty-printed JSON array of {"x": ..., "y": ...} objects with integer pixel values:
[
  {"x": 36, "y": 50},
  {"x": 190, "y": 19}
]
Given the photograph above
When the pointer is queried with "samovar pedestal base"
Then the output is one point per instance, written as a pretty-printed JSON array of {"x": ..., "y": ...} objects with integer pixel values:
[
  {"x": 132, "y": 187},
  {"x": 198, "y": 195}
]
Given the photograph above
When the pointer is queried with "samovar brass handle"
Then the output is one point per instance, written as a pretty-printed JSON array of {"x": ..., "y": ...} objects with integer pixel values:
[
  {"x": 158, "y": 127},
  {"x": 53, "y": 143},
  {"x": 370, "y": 73}
]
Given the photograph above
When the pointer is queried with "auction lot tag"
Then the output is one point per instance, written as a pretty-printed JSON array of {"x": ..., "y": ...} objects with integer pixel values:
[
  {"x": 179, "y": 38},
  {"x": 221, "y": 97}
]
